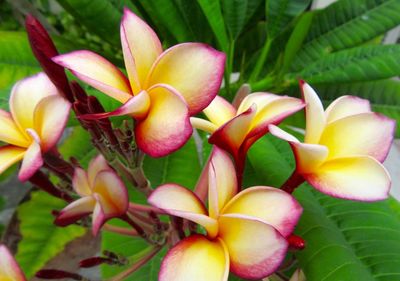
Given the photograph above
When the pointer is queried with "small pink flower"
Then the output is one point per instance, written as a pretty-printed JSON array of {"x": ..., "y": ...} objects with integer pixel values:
[
  {"x": 37, "y": 119},
  {"x": 162, "y": 88},
  {"x": 103, "y": 194},
  {"x": 246, "y": 232}
]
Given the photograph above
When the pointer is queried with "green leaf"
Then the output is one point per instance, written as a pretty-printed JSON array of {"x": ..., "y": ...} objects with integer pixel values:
[
  {"x": 354, "y": 65},
  {"x": 345, "y": 24},
  {"x": 237, "y": 13},
  {"x": 346, "y": 240},
  {"x": 213, "y": 13},
  {"x": 280, "y": 13},
  {"x": 41, "y": 239},
  {"x": 16, "y": 60},
  {"x": 1, "y": 209}
]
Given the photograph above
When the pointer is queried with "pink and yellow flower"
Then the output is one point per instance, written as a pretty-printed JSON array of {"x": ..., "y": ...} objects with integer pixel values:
[
  {"x": 162, "y": 88},
  {"x": 246, "y": 232},
  {"x": 9, "y": 269},
  {"x": 235, "y": 130},
  {"x": 343, "y": 147},
  {"x": 103, "y": 194},
  {"x": 37, "y": 119}
]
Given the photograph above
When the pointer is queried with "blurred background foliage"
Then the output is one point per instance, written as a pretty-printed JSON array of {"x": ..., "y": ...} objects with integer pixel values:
[{"x": 340, "y": 49}]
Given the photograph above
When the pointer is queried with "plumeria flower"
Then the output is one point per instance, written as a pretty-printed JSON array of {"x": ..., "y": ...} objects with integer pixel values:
[
  {"x": 343, "y": 147},
  {"x": 37, "y": 119},
  {"x": 162, "y": 88},
  {"x": 103, "y": 194},
  {"x": 9, "y": 268},
  {"x": 245, "y": 232},
  {"x": 235, "y": 130}
]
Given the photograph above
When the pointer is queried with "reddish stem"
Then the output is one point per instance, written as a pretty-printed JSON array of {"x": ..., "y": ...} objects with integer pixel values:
[{"x": 293, "y": 182}]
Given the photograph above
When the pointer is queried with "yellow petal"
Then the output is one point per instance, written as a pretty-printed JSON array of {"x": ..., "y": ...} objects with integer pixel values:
[
  {"x": 97, "y": 72},
  {"x": 80, "y": 182},
  {"x": 75, "y": 211},
  {"x": 357, "y": 178},
  {"x": 179, "y": 201},
  {"x": 346, "y": 106},
  {"x": 10, "y": 132},
  {"x": 32, "y": 161},
  {"x": 270, "y": 205},
  {"x": 50, "y": 117},
  {"x": 260, "y": 99},
  {"x": 167, "y": 126},
  {"x": 9, "y": 269},
  {"x": 114, "y": 196},
  {"x": 140, "y": 46},
  {"x": 256, "y": 249},
  {"x": 219, "y": 111},
  {"x": 96, "y": 165},
  {"x": 203, "y": 125},
  {"x": 309, "y": 156},
  {"x": 196, "y": 259},
  {"x": 26, "y": 95},
  {"x": 222, "y": 181},
  {"x": 315, "y": 115},
  {"x": 361, "y": 134},
  {"x": 195, "y": 70},
  {"x": 9, "y": 155}
]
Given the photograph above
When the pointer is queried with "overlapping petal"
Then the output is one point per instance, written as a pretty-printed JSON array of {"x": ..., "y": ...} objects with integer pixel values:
[
  {"x": 99, "y": 217},
  {"x": 50, "y": 117},
  {"x": 97, "y": 72},
  {"x": 195, "y": 70},
  {"x": 167, "y": 126},
  {"x": 141, "y": 47},
  {"x": 255, "y": 248},
  {"x": 346, "y": 106},
  {"x": 219, "y": 111},
  {"x": 96, "y": 165},
  {"x": 80, "y": 182},
  {"x": 196, "y": 258},
  {"x": 31, "y": 162},
  {"x": 270, "y": 205},
  {"x": 10, "y": 132},
  {"x": 357, "y": 178},
  {"x": 9, "y": 269},
  {"x": 365, "y": 134},
  {"x": 75, "y": 211}
]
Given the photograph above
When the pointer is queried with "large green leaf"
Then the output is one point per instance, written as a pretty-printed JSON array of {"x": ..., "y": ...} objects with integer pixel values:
[
  {"x": 280, "y": 13},
  {"x": 41, "y": 239},
  {"x": 364, "y": 63},
  {"x": 347, "y": 23},
  {"x": 346, "y": 240},
  {"x": 16, "y": 59},
  {"x": 237, "y": 14}
]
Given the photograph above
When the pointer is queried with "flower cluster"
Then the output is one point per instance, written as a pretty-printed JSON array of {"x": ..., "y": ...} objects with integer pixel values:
[{"x": 217, "y": 228}]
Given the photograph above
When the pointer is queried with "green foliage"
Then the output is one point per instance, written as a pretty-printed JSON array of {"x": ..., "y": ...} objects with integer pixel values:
[{"x": 41, "y": 240}]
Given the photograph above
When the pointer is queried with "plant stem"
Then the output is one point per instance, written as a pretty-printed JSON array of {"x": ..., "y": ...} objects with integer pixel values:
[
  {"x": 293, "y": 182},
  {"x": 120, "y": 230},
  {"x": 144, "y": 208}
]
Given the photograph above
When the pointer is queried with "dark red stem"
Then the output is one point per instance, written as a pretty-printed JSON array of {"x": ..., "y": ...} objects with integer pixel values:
[
  {"x": 42, "y": 181},
  {"x": 293, "y": 182}
]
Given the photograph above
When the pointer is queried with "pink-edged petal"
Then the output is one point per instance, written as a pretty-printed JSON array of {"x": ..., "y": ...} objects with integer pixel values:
[
  {"x": 179, "y": 201},
  {"x": 9, "y": 269},
  {"x": 196, "y": 258},
  {"x": 219, "y": 111},
  {"x": 96, "y": 165},
  {"x": 10, "y": 155},
  {"x": 50, "y": 117},
  {"x": 80, "y": 182},
  {"x": 315, "y": 115},
  {"x": 233, "y": 133},
  {"x": 260, "y": 99},
  {"x": 10, "y": 132},
  {"x": 279, "y": 133},
  {"x": 364, "y": 134},
  {"x": 75, "y": 211},
  {"x": 114, "y": 196},
  {"x": 167, "y": 126},
  {"x": 98, "y": 219},
  {"x": 270, "y": 205},
  {"x": 140, "y": 46},
  {"x": 308, "y": 156},
  {"x": 203, "y": 125},
  {"x": 195, "y": 70},
  {"x": 273, "y": 113},
  {"x": 222, "y": 181},
  {"x": 137, "y": 107},
  {"x": 255, "y": 248},
  {"x": 357, "y": 178},
  {"x": 97, "y": 72},
  {"x": 26, "y": 95},
  {"x": 32, "y": 162},
  {"x": 346, "y": 106}
]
